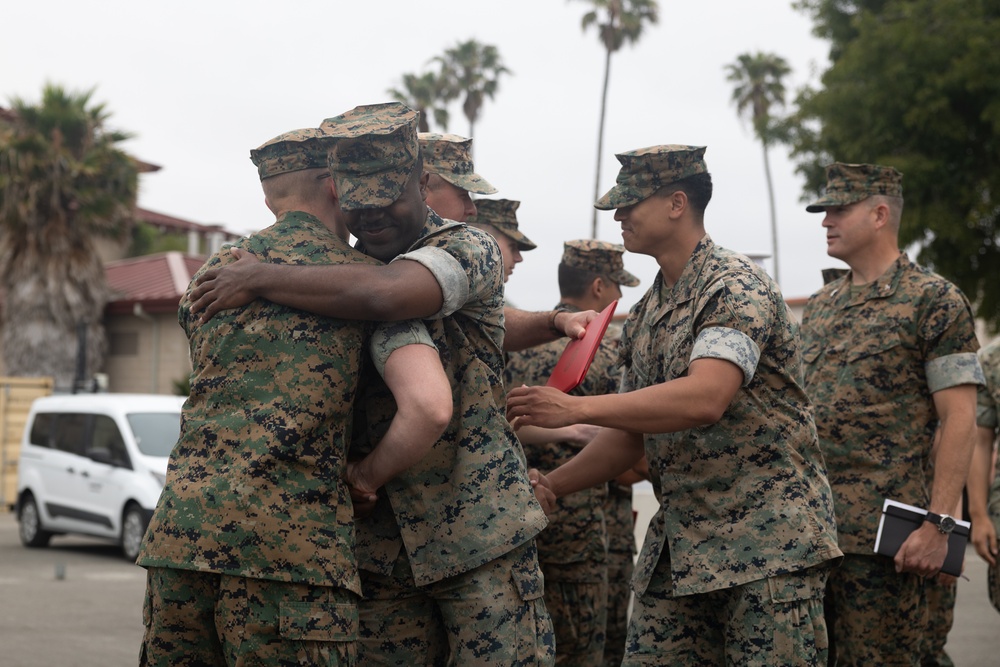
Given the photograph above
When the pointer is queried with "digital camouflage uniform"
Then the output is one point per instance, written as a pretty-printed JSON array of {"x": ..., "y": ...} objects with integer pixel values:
[
  {"x": 254, "y": 488},
  {"x": 744, "y": 502},
  {"x": 988, "y": 416},
  {"x": 873, "y": 356},
  {"x": 733, "y": 565},
  {"x": 573, "y": 548},
  {"x": 448, "y": 557},
  {"x": 250, "y": 549}
]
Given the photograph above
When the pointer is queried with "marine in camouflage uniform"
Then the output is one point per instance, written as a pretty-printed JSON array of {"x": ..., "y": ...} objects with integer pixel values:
[
  {"x": 889, "y": 356},
  {"x": 734, "y": 563},
  {"x": 250, "y": 550},
  {"x": 498, "y": 217},
  {"x": 984, "y": 498},
  {"x": 450, "y": 569},
  {"x": 448, "y": 160},
  {"x": 573, "y": 548}
]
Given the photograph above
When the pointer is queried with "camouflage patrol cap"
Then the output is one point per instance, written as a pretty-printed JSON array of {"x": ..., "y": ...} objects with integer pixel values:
[
  {"x": 373, "y": 149},
  {"x": 600, "y": 257},
  {"x": 450, "y": 157},
  {"x": 291, "y": 151},
  {"x": 501, "y": 214},
  {"x": 646, "y": 170},
  {"x": 849, "y": 183}
]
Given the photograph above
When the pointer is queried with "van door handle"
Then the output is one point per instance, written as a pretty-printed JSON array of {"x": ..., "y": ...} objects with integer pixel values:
[
  {"x": 70, "y": 471},
  {"x": 84, "y": 474}
]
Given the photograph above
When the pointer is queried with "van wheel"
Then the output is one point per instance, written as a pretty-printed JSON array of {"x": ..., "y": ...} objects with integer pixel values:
[
  {"x": 133, "y": 528},
  {"x": 30, "y": 524}
]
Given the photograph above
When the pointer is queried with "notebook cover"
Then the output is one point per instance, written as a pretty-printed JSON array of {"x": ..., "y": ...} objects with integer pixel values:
[
  {"x": 578, "y": 355},
  {"x": 899, "y": 520}
]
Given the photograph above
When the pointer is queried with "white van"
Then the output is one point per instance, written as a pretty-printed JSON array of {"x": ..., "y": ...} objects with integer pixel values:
[{"x": 94, "y": 464}]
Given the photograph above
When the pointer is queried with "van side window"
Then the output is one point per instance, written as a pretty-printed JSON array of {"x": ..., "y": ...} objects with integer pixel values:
[
  {"x": 42, "y": 430},
  {"x": 107, "y": 441},
  {"x": 71, "y": 432}
]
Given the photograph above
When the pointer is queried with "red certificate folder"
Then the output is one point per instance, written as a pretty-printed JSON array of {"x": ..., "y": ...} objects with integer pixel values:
[{"x": 578, "y": 355}]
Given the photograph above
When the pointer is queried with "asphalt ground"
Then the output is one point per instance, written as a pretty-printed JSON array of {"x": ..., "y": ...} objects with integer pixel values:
[{"x": 78, "y": 603}]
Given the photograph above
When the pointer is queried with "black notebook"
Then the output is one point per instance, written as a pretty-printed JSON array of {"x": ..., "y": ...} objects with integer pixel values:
[{"x": 899, "y": 520}]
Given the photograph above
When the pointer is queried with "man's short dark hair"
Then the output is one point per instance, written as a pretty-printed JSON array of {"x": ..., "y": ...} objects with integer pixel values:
[
  {"x": 574, "y": 281},
  {"x": 698, "y": 189}
]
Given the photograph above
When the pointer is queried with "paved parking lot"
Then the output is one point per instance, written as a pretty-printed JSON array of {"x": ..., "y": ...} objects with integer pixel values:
[{"x": 92, "y": 617}]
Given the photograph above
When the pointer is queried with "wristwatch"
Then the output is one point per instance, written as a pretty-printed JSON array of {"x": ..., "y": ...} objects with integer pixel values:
[{"x": 945, "y": 524}]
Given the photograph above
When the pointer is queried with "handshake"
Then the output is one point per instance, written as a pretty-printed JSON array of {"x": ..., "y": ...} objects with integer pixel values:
[{"x": 543, "y": 491}]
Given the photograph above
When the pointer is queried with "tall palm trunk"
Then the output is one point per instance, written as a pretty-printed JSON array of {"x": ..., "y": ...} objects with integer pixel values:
[
  {"x": 774, "y": 220},
  {"x": 600, "y": 140}
]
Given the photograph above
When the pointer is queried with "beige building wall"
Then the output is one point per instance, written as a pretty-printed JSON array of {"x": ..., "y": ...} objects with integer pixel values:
[{"x": 147, "y": 353}]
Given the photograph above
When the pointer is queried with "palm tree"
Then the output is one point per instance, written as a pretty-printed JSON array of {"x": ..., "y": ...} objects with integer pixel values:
[
  {"x": 758, "y": 78},
  {"x": 618, "y": 22},
  {"x": 63, "y": 183},
  {"x": 423, "y": 93},
  {"x": 473, "y": 70}
]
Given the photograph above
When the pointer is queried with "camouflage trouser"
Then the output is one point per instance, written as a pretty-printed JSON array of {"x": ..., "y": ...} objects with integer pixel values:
[
  {"x": 876, "y": 616},
  {"x": 620, "y": 566},
  {"x": 773, "y": 622},
  {"x": 579, "y": 612},
  {"x": 941, "y": 615},
  {"x": 200, "y": 619},
  {"x": 492, "y": 615}
]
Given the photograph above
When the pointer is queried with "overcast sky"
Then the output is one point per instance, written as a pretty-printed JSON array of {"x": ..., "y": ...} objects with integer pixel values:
[{"x": 201, "y": 83}]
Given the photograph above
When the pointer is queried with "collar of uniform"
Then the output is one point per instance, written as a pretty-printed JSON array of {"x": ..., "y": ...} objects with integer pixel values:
[
  {"x": 687, "y": 284},
  {"x": 882, "y": 287}
]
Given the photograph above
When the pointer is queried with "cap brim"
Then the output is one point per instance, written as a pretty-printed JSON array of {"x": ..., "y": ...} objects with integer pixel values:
[
  {"x": 625, "y": 278},
  {"x": 523, "y": 242},
  {"x": 473, "y": 183},
  {"x": 618, "y": 197},
  {"x": 834, "y": 199},
  {"x": 378, "y": 190}
]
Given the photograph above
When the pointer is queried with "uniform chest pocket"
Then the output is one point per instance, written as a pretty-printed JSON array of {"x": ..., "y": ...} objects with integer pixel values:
[{"x": 874, "y": 343}]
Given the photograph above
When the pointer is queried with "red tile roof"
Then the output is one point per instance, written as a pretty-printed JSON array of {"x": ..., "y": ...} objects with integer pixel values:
[
  {"x": 157, "y": 282},
  {"x": 164, "y": 221}
]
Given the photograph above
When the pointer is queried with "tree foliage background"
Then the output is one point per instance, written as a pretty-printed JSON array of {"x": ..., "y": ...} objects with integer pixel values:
[
  {"x": 63, "y": 184},
  {"x": 916, "y": 84}
]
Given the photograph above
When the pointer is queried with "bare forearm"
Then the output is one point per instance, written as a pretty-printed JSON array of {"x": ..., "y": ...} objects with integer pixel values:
[
  {"x": 951, "y": 465},
  {"x": 526, "y": 329},
  {"x": 609, "y": 455},
  {"x": 349, "y": 291}
]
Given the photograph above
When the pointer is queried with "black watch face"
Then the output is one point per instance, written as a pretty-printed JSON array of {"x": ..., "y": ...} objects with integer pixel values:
[{"x": 947, "y": 524}]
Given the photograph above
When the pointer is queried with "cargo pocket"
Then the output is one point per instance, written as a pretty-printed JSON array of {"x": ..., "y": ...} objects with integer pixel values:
[
  {"x": 535, "y": 642},
  {"x": 327, "y": 632},
  {"x": 800, "y": 633}
]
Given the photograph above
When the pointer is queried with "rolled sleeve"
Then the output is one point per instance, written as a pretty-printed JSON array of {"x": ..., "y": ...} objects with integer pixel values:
[
  {"x": 952, "y": 370},
  {"x": 734, "y": 346},
  {"x": 390, "y": 336},
  {"x": 452, "y": 278}
]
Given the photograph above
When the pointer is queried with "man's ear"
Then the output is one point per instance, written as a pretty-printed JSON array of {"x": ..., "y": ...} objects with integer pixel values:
[
  {"x": 597, "y": 287},
  {"x": 881, "y": 214},
  {"x": 678, "y": 202},
  {"x": 424, "y": 177}
]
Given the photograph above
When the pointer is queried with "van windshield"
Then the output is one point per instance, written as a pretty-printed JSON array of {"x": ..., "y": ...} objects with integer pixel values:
[{"x": 155, "y": 432}]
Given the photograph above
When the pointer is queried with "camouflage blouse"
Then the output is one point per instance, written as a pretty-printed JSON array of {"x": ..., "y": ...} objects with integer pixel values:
[
  {"x": 744, "y": 498},
  {"x": 873, "y": 356},
  {"x": 254, "y": 484},
  {"x": 469, "y": 500}
]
